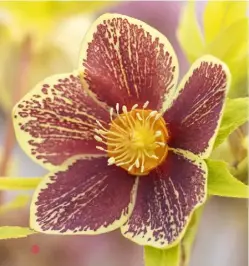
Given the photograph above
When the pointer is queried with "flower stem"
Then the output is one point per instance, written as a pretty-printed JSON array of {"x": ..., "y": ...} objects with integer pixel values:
[
  {"x": 18, "y": 91},
  {"x": 19, "y": 183}
]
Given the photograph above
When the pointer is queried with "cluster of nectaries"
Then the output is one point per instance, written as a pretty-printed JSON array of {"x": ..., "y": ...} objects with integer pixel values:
[{"x": 136, "y": 140}]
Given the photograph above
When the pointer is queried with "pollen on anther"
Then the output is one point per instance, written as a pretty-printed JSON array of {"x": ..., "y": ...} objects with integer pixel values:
[
  {"x": 99, "y": 139},
  {"x": 160, "y": 144},
  {"x": 158, "y": 116},
  {"x": 100, "y": 148},
  {"x": 158, "y": 133},
  {"x": 134, "y": 106},
  {"x": 145, "y": 104},
  {"x": 139, "y": 116},
  {"x": 111, "y": 161},
  {"x": 111, "y": 113},
  {"x": 117, "y": 108},
  {"x": 153, "y": 113},
  {"x": 124, "y": 109}
]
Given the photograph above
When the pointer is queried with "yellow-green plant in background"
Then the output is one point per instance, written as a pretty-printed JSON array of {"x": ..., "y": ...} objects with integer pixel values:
[
  {"x": 41, "y": 16},
  {"x": 35, "y": 20},
  {"x": 224, "y": 34}
]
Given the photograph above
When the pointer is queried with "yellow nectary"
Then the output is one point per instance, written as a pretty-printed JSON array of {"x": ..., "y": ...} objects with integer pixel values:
[{"x": 136, "y": 140}]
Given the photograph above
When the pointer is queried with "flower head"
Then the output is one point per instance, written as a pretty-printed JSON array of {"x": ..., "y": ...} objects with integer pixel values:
[{"x": 125, "y": 146}]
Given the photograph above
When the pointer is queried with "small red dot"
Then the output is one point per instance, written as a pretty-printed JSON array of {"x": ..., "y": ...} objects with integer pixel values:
[{"x": 35, "y": 249}]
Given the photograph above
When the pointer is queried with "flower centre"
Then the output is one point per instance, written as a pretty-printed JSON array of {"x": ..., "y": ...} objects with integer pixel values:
[{"x": 136, "y": 140}]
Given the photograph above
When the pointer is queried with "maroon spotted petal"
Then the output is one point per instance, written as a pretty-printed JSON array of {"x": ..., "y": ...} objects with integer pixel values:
[
  {"x": 86, "y": 196},
  {"x": 194, "y": 117},
  {"x": 56, "y": 121},
  {"x": 125, "y": 61},
  {"x": 165, "y": 200}
]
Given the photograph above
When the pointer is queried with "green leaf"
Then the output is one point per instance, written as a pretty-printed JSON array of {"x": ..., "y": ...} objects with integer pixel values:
[
  {"x": 222, "y": 183},
  {"x": 42, "y": 15},
  {"x": 16, "y": 183},
  {"x": 162, "y": 257},
  {"x": 18, "y": 202},
  {"x": 178, "y": 255},
  {"x": 9, "y": 232},
  {"x": 189, "y": 34},
  {"x": 235, "y": 115},
  {"x": 227, "y": 48},
  {"x": 226, "y": 13},
  {"x": 189, "y": 237}
]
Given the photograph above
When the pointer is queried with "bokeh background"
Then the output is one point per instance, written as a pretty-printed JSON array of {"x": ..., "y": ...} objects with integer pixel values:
[{"x": 38, "y": 39}]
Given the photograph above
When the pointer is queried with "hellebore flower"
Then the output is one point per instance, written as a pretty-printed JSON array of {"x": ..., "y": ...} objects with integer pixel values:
[{"x": 125, "y": 146}]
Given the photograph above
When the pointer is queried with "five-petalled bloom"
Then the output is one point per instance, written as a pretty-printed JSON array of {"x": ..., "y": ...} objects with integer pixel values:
[{"x": 124, "y": 145}]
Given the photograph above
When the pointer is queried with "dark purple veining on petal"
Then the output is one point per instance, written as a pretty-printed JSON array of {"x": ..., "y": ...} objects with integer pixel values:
[
  {"x": 194, "y": 116},
  {"x": 165, "y": 199},
  {"x": 87, "y": 196},
  {"x": 125, "y": 65},
  {"x": 59, "y": 120},
  {"x": 161, "y": 15}
]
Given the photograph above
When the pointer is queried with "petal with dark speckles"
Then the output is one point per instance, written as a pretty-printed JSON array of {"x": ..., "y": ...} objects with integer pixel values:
[
  {"x": 56, "y": 121},
  {"x": 84, "y": 196},
  {"x": 166, "y": 199},
  {"x": 194, "y": 118},
  {"x": 123, "y": 60}
]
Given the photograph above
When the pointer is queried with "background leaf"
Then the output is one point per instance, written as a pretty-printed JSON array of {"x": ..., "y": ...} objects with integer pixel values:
[
  {"x": 9, "y": 232},
  {"x": 40, "y": 16},
  {"x": 16, "y": 203},
  {"x": 162, "y": 257},
  {"x": 222, "y": 183},
  {"x": 188, "y": 33},
  {"x": 235, "y": 115},
  {"x": 18, "y": 183},
  {"x": 189, "y": 237},
  {"x": 219, "y": 15}
]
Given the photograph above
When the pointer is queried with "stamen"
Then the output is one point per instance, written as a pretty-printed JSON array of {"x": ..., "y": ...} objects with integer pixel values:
[
  {"x": 162, "y": 144},
  {"x": 158, "y": 115},
  {"x": 130, "y": 167},
  {"x": 111, "y": 161},
  {"x": 137, "y": 163},
  {"x": 101, "y": 148},
  {"x": 99, "y": 124},
  {"x": 139, "y": 116},
  {"x": 153, "y": 113},
  {"x": 145, "y": 105},
  {"x": 117, "y": 108},
  {"x": 99, "y": 139},
  {"x": 111, "y": 113},
  {"x": 153, "y": 156},
  {"x": 134, "y": 106},
  {"x": 127, "y": 162},
  {"x": 124, "y": 109},
  {"x": 104, "y": 133},
  {"x": 135, "y": 140},
  {"x": 142, "y": 165},
  {"x": 119, "y": 128},
  {"x": 158, "y": 133}
]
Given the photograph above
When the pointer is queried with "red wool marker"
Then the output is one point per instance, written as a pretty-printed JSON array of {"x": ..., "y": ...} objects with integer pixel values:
[{"x": 35, "y": 249}]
